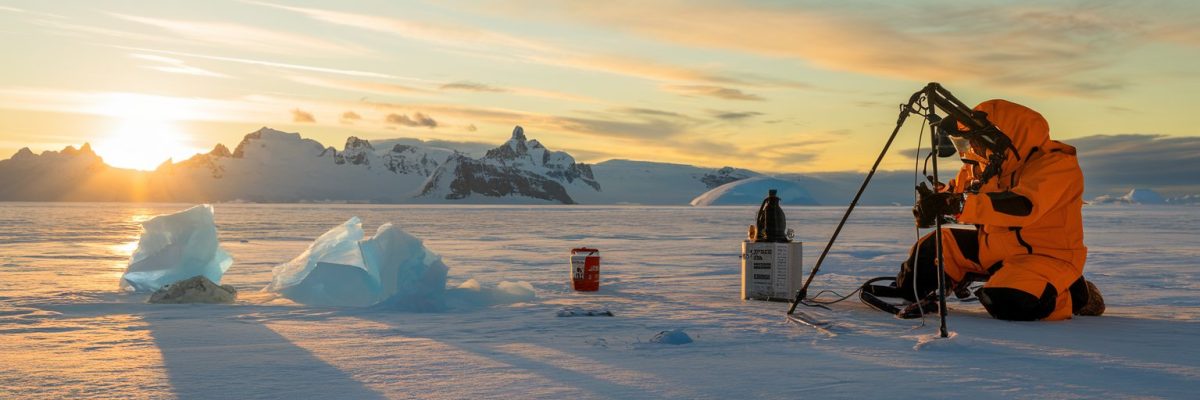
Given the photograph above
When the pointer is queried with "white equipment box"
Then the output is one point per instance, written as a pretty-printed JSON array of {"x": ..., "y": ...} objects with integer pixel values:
[{"x": 771, "y": 271}]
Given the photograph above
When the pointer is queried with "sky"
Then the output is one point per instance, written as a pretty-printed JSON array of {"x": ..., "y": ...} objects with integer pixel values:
[{"x": 774, "y": 86}]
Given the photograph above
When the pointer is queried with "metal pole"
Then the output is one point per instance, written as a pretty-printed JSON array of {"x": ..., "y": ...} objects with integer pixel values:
[
  {"x": 937, "y": 233},
  {"x": 904, "y": 111}
]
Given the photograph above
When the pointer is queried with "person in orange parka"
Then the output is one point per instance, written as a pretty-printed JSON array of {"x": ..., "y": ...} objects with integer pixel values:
[{"x": 1028, "y": 241}]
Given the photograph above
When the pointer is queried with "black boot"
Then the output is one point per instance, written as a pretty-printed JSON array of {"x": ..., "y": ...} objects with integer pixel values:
[{"x": 1086, "y": 299}]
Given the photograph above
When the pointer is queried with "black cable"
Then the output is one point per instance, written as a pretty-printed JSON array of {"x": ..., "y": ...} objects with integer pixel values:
[{"x": 840, "y": 299}]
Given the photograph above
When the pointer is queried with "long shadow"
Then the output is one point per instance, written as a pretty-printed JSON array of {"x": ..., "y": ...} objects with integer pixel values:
[
  {"x": 584, "y": 382},
  {"x": 242, "y": 359}
]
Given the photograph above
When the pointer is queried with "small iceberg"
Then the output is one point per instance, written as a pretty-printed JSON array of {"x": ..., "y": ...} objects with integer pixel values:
[
  {"x": 341, "y": 268},
  {"x": 175, "y": 247},
  {"x": 672, "y": 337}
]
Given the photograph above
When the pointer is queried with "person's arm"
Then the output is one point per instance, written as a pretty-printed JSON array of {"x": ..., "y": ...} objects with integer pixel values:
[{"x": 1039, "y": 188}]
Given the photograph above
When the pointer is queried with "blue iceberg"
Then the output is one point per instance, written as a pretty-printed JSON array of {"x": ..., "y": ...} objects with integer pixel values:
[
  {"x": 175, "y": 247},
  {"x": 341, "y": 268}
]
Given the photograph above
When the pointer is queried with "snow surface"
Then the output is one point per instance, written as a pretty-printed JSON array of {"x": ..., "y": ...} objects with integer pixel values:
[
  {"x": 174, "y": 247},
  {"x": 68, "y": 331},
  {"x": 752, "y": 191}
]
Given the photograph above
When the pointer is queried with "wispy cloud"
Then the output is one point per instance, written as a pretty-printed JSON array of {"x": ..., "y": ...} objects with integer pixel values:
[
  {"x": 518, "y": 48},
  {"x": 469, "y": 86},
  {"x": 713, "y": 91},
  {"x": 229, "y": 35},
  {"x": 264, "y": 63},
  {"x": 175, "y": 66},
  {"x": 384, "y": 88},
  {"x": 1042, "y": 48},
  {"x": 125, "y": 105},
  {"x": 734, "y": 116},
  {"x": 438, "y": 33},
  {"x": 472, "y": 87}
]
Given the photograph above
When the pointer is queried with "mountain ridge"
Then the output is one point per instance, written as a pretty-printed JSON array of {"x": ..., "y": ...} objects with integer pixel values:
[{"x": 268, "y": 165}]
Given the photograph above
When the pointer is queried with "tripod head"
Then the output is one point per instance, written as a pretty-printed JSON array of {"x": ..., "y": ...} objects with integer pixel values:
[{"x": 965, "y": 125}]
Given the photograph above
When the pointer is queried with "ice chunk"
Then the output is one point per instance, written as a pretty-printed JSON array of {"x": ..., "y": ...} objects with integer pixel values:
[
  {"x": 472, "y": 294},
  {"x": 340, "y": 268},
  {"x": 175, "y": 247},
  {"x": 197, "y": 289},
  {"x": 674, "y": 336}
]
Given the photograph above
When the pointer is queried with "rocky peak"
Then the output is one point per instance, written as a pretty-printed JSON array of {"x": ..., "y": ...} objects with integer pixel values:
[
  {"x": 356, "y": 152},
  {"x": 355, "y": 143},
  {"x": 24, "y": 152},
  {"x": 514, "y": 148},
  {"x": 220, "y": 151}
]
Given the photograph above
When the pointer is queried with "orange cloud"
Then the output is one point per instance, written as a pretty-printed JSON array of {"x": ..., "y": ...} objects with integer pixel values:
[{"x": 1046, "y": 49}]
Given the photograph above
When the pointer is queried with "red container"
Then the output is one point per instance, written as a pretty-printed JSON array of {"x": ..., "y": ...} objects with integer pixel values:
[{"x": 585, "y": 269}]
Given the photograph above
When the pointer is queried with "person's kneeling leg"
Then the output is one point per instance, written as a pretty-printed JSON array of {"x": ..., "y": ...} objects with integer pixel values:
[{"x": 1023, "y": 289}]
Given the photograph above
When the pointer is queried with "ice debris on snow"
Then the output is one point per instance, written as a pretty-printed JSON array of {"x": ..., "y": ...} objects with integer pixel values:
[
  {"x": 472, "y": 293},
  {"x": 674, "y": 336},
  {"x": 174, "y": 247},
  {"x": 584, "y": 312},
  {"x": 197, "y": 289},
  {"x": 341, "y": 268}
]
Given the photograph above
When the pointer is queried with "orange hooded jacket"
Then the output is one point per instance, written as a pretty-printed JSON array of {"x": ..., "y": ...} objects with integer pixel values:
[{"x": 1030, "y": 215}]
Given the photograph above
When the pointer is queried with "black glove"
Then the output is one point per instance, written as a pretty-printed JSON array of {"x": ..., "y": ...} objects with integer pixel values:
[{"x": 931, "y": 205}]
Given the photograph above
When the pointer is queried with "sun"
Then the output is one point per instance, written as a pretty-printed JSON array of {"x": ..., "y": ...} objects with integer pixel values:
[{"x": 145, "y": 134}]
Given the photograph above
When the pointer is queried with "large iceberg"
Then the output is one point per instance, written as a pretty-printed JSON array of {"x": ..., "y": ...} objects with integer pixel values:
[
  {"x": 341, "y": 268},
  {"x": 751, "y": 191},
  {"x": 175, "y": 247}
]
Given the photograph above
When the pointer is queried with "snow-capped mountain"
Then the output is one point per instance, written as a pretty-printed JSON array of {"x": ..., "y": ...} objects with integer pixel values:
[
  {"x": 274, "y": 166},
  {"x": 67, "y": 175},
  {"x": 519, "y": 170}
]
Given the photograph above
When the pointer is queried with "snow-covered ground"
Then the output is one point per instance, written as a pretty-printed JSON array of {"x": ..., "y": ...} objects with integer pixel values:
[{"x": 65, "y": 330}]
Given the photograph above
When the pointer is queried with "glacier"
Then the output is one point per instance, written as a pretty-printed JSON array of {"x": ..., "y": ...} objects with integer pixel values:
[
  {"x": 341, "y": 268},
  {"x": 174, "y": 247}
]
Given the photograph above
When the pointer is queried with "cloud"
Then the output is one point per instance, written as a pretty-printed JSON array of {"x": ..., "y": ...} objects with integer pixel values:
[
  {"x": 472, "y": 87},
  {"x": 647, "y": 111},
  {"x": 647, "y": 130},
  {"x": 302, "y": 116},
  {"x": 349, "y": 117},
  {"x": 1117, "y": 163},
  {"x": 712, "y": 91},
  {"x": 445, "y": 34},
  {"x": 176, "y": 66},
  {"x": 1045, "y": 48},
  {"x": 509, "y": 47},
  {"x": 418, "y": 119},
  {"x": 229, "y": 35},
  {"x": 735, "y": 116},
  {"x": 298, "y": 67},
  {"x": 351, "y": 85}
]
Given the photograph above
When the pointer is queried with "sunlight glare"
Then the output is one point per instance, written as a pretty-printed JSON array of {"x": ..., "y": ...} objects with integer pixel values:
[{"x": 146, "y": 133}]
